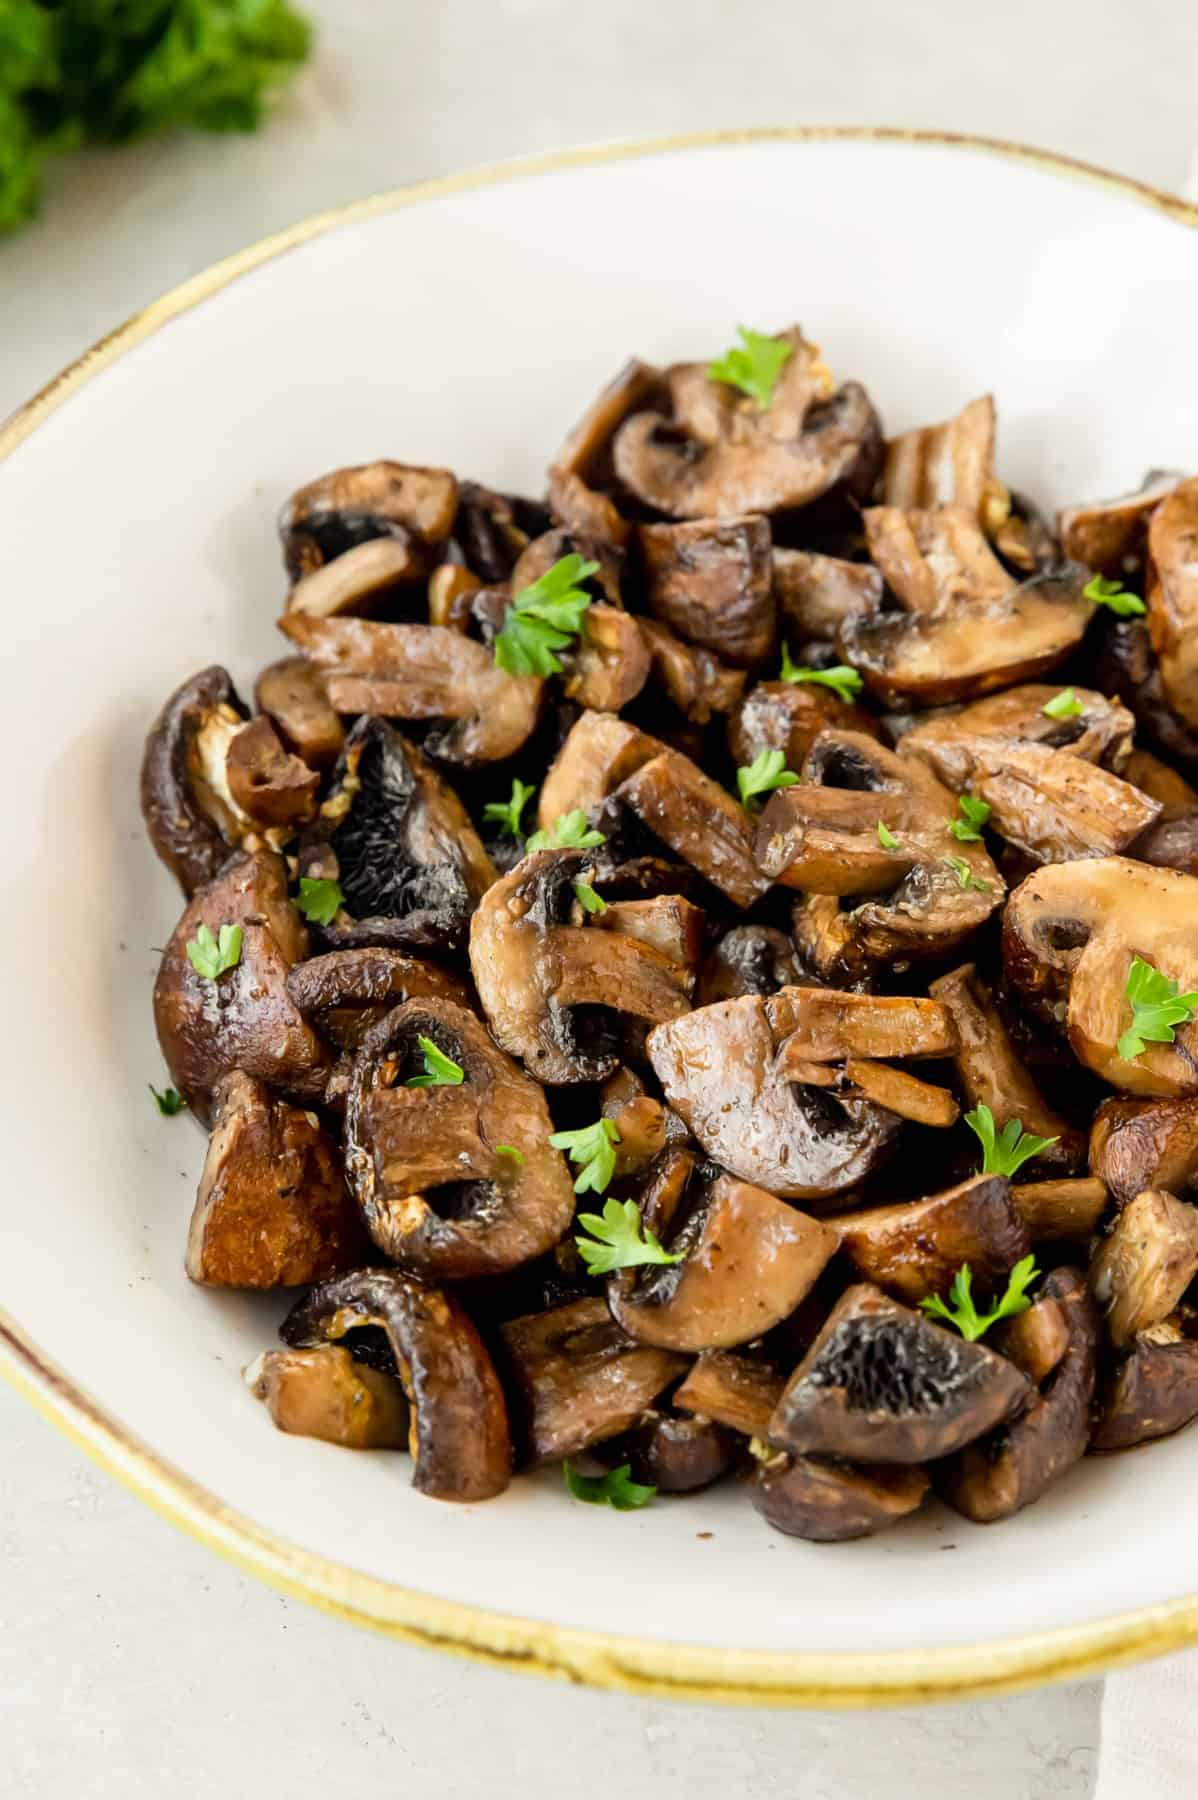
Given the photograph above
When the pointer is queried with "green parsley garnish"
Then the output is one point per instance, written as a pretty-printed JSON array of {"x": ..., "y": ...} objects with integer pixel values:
[
  {"x": 1064, "y": 705},
  {"x": 569, "y": 831},
  {"x": 753, "y": 365},
  {"x": 1003, "y": 1152},
  {"x": 439, "y": 1069},
  {"x": 965, "y": 877},
  {"x": 625, "y": 1241},
  {"x": 506, "y": 813},
  {"x": 844, "y": 681},
  {"x": 961, "y": 1310},
  {"x": 1114, "y": 595},
  {"x": 319, "y": 900},
  {"x": 1156, "y": 1008},
  {"x": 766, "y": 772},
  {"x": 588, "y": 899},
  {"x": 590, "y": 1150},
  {"x": 544, "y": 617},
  {"x": 886, "y": 837},
  {"x": 617, "y": 1489},
  {"x": 210, "y": 956},
  {"x": 517, "y": 1156},
  {"x": 974, "y": 813},
  {"x": 169, "y": 1102}
]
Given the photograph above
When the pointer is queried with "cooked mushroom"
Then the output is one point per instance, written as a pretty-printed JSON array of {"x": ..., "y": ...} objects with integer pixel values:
[
  {"x": 346, "y": 992},
  {"x": 1069, "y": 935},
  {"x": 747, "y": 1261},
  {"x": 267, "y": 782},
  {"x": 699, "y": 820},
  {"x": 1065, "y": 1211},
  {"x": 459, "y": 1435},
  {"x": 580, "y": 1379},
  {"x": 1172, "y": 596},
  {"x": 778, "y": 715},
  {"x": 832, "y": 1502},
  {"x": 360, "y": 580},
  {"x": 1035, "y": 1340},
  {"x": 708, "y": 580},
  {"x": 324, "y": 1393},
  {"x": 733, "y": 1389},
  {"x": 644, "y": 1125},
  {"x": 997, "y": 1476},
  {"x": 1101, "y": 731},
  {"x": 193, "y": 822},
  {"x": 1138, "y": 1144},
  {"x": 666, "y": 922},
  {"x": 884, "y": 1384},
  {"x": 244, "y": 1019},
  {"x": 949, "y": 465},
  {"x": 584, "y": 460},
  {"x": 1111, "y": 535},
  {"x": 1125, "y": 665},
  {"x": 913, "y": 1249},
  {"x": 291, "y": 694},
  {"x": 432, "y": 1166},
  {"x": 694, "y": 680},
  {"x": 817, "y": 594},
  {"x": 749, "y": 959},
  {"x": 676, "y": 1456},
  {"x": 611, "y": 664},
  {"x": 326, "y": 518},
  {"x": 1140, "y": 1272},
  {"x": 272, "y": 1208},
  {"x": 935, "y": 561},
  {"x": 599, "y": 752},
  {"x": 492, "y": 531},
  {"x": 1153, "y": 1392}
]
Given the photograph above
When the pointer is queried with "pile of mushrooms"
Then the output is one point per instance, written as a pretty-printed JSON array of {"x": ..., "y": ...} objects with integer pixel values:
[{"x": 694, "y": 977}]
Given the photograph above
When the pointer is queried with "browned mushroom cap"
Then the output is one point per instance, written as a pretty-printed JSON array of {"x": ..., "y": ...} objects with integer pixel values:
[
  {"x": 579, "y": 1379},
  {"x": 994, "y": 1478},
  {"x": 325, "y": 1394},
  {"x": 915, "y": 1248},
  {"x": 584, "y": 460},
  {"x": 778, "y": 715},
  {"x": 708, "y": 580},
  {"x": 611, "y": 664},
  {"x": 949, "y": 464},
  {"x": 884, "y": 1384},
  {"x": 192, "y": 820},
  {"x": 1066, "y": 1211},
  {"x": 818, "y": 594},
  {"x": 1152, "y": 1392},
  {"x": 272, "y": 1208},
  {"x": 1172, "y": 596},
  {"x": 1140, "y": 1272},
  {"x": 579, "y": 508},
  {"x": 424, "y": 1164},
  {"x": 267, "y": 782},
  {"x": 724, "y": 455},
  {"x": 749, "y": 959},
  {"x": 1138, "y": 1144},
  {"x": 1069, "y": 934},
  {"x": 1112, "y": 535},
  {"x": 699, "y": 820},
  {"x": 599, "y": 752},
  {"x": 459, "y": 1437},
  {"x": 550, "y": 980},
  {"x": 735, "y": 1390},
  {"x": 748, "y": 1260},
  {"x": 992, "y": 1075},
  {"x": 1035, "y": 1340},
  {"x": 328, "y": 517},
  {"x": 693, "y": 680},
  {"x": 422, "y": 672},
  {"x": 244, "y": 1019},
  {"x": 717, "y": 1068},
  {"x": 1101, "y": 732},
  {"x": 346, "y": 992},
  {"x": 291, "y": 694},
  {"x": 676, "y": 1456},
  {"x": 832, "y": 1502}
]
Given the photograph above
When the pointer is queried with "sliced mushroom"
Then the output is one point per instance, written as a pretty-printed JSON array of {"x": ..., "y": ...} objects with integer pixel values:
[
  {"x": 818, "y": 594},
  {"x": 579, "y": 1379},
  {"x": 1069, "y": 935},
  {"x": 1101, "y": 732},
  {"x": 1138, "y": 1144},
  {"x": 579, "y": 508},
  {"x": 821, "y": 1025},
  {"x": 422, "y": 672},
  {"x": 584, "y": 460},
  {"x": 884, "y": 1384},
  {"x": 1065, "y": 1211},
  {"x": 699, "y": 820},
  {"x": 1177, "y": 799},
  {"x": 492, "y": 531},
  {"x": 599, "y": 752},
  {"x": 644, "y": 1125},
  {"x": 723, "y": 455},
  {"x": 347, "y": 992},
  {"x": 291, "y": 694},
  {"x": 676, "y": 1456},
  {"x": 914, "y": 1249},
  {"x": 1172, "y": 596},
  {"x": 749, "y": 959},
  {"x": 267, "y": 782},
  {"x": 459, "y": 1435},
  {"x": 778, "y": 715},
  {"x": 999, "y": 1475},
  {"x": 611, "y": 664},
  {"x": 193, "y": 822},
  {"x": 833, "y": 1502},
  {"x": 666, "y": 922},
  {"x": 748, "y": 1260},
  {"x": 424, "y": 1163},
  {"x": 360, "y": 580},
  {"x": 935, "y": 561},
  {"x": 325, "y": 1394},
  {"x": 733, "y": 1389},
  {"x": 949, "y": 465},
  {"x": 244, "y": 1019},
  {"x": 328, "y": 517},
  {"x": 694, "y": 680},
  {"x": 1153, "y": 1392},
  {"x": 1034, "y": 1340},
  {"x": 717, "y": 1068},
  {"x": 1140, "y": 1272},
  {"x": 1111, "y": 535},
  {"x": 708, "y": 580}
]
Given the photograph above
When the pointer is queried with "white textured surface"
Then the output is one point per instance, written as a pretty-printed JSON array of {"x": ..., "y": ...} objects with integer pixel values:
[{"x": 131, "y": 1662}]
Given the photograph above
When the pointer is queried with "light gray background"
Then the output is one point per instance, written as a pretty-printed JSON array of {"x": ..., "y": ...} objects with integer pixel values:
[{"x": 133, "y": 1663}]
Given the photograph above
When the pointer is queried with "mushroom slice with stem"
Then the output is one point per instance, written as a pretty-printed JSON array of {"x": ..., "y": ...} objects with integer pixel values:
[
  {"x": 272, "y": 1208},
  {"x": 913, "y": 1249},
  {"x": 194, "y": 824},
  {"x": 1172, "y": 596},
  {"x": 431, "y": 1164},
  {"x": 291, "y": 693},
  {"x": 884, "y": 1384},
  {"x": 328, "y": 517},
  {"x": 935, "y": 560},
  {"x": 698, "y": 820},
  {"x": 676, "y": 1456},
  {"x": 1138, "y": 1144},
  {"x": 949, "y": 465},
  {"x": 1070, "y": 933},
  {"x": 818, "y": 594},
  {"x": 599, "y": 752},
  {"x": 359, "y": 580},
  {"x": 551, "y": 983},
  {"x": 747, "y": 1261},
  {"x": 780, "y": 715},
  {"x": 577, "y": 1379},
  {"x": 244, "y": 1018},
  {"x": 1112, "y": 535},
  {"x": 1093, "y": 727},
  {"x": 1066, "y": 1211},
  {"x": 734, "y": 1389},
  {"x": 832, "y": 1502},
  {"x": 324, "y": 1393},
  {"x": 582, "y": 469},
  {"x": 269, "y": 784},
  {"x": 666, "y": 922},
  {"x": 998, "y": 1475},
  {"x": 1140, "y": 1272},
  {"x": 346, "y": 992},
  {"x": 749, "y": 959},
  {"x": 693, "y": 679},
  {"x": 708, "y": 580},
  {"x": 459, "y": 1436},
  {"x": 1152, "y": 1392}
]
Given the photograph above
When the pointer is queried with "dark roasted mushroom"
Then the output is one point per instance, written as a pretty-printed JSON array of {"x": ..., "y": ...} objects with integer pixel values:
[
  {"x": 1125, "y": 665},
  {"x": 818, "y": 594},
  {"x": 708, "y": 580},
  {"x": 1153, "y": 1392},
  {"x": 193, "y": 822},
  {"x": 583, "y": 464},
  {"x": 1035, "y": 1340},
  {"x": 949, "y": 465},
  {"x": 291, "y": 694},
  {"x": 1172, "y": 596},
  {"x": 1138, "y": 1144},
  {"x": 693, "y": 679},
  {"x": 1140, "y": 1272},
  {"x": 360, "y": 580},
  {"x": 459, "y": 1435},
  {"x": 1066, "y": 1211},
  {"x": 269, "y": 784},
  {"x": 749, "y": 959},
  {"x": 330, "y": 516},
  {"x": 599, "y": 752},
  {"x": 1101, "y": 731},
  {"x": 833, "y": 1502},
  {"x": 611, "y": 664},
  {"x": 913, "y": 1249},
  {"x": 676, "y": 1456},
  {"x": 733, "y": 1389},
  {"x": 324, "y": 1393},
  {"x": 699, "y": 821},
  {"x": 346, "y": 992},
  {"x": 779, "y": 715}
]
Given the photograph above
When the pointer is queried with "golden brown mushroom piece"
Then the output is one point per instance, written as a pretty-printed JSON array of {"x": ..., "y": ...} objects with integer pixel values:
[
  {"x": 1112, "y": 535},
  {"x": 1172, "y": 596},
  {"x": 459, "y": 1436},
  {"x": 949, "y": 465},
  {"x": 582, "y": 469},
  {"x": 244, "y": 1019},
  {"x": 913, "y": 1249},
  {"x": 818, "y": 594},
  {"x": 694, "y": 680},
  {"x": 732, "y": 1388},
  {"x": 270, "y": 785},
  {"x": 1034, "y": 1340},
  {"x": 1152, "y": 1392},
  {"x": 1101, "y": 732},
  {"x": 324, "y": 1393},
  {"x": 329, "y": 517},
  {"x": 424, "y": 1162},
  {"x": 834, "y": 1041},
  {"x": 1138, "y": 1144},
  {"x": 194, "y": 824},
  {"x": 699, "y": 821},
  {"x": 1140, "y": 1272},
  {"x": 346, "y": 992},
  {"x": 781, "y": 715},
  {"x": 600, "y": 750},
  {"x": 721, "y": 455},
  {"x": 1068, "y": 1211},
  {"x": 291, "y": 694},
  {"x": 1070, "y": 932},
  {"x": 833, "y": 1502},
  {"x": 708, "y": 580},
  {"x": 272, "y": 1208}
]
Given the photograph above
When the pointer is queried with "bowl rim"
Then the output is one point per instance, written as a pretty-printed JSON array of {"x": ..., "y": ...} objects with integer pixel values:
[{"x": 837, "y": 1679}]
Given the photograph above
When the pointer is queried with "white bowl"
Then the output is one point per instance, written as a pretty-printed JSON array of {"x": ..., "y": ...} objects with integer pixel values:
[{"x": 467, "y": 322}]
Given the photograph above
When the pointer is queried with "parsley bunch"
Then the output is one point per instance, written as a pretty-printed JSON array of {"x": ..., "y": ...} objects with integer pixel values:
[
  {"x": 623, "y": 1240},
  {"x": 1004, "y": 1152},
  {"x": 545, "y": 617},
  {"x": 1156, "y": 1008}
]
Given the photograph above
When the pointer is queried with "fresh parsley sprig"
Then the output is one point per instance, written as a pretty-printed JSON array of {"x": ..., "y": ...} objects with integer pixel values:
[
  {"x": 320, "y": 900},
  {"x": 210, "y": 956},
  {"x": 1003, "y": 1152},
  {"x": 616, "y": 1489},
  {"x": 1113, "y": 594},
  {"x": 569, "y": 831},
  {"x": 753, "y": 365},
  {"x": 506, "y": 813},
  {"x": 966, "y": 878},
  {"x": 766, "y": 772},
  {"x": 439, "y": 1069},
  {"x": 1156, "y": 1009},
  {"x": 1064, "y": 705},
  {"x": 964, "y": 1315},
  {"x": 624, "y": 1240},
  {"x": 844, "y": 681},
  {"x": 169, "y": 1101},
  {"x": 886, "y": 837},
  {"x": 545, "y": 617},
  {"x": 590, "y": 1150},
  {"x": 588, "y": 899},
  {"x": 974, "y": 813}
]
